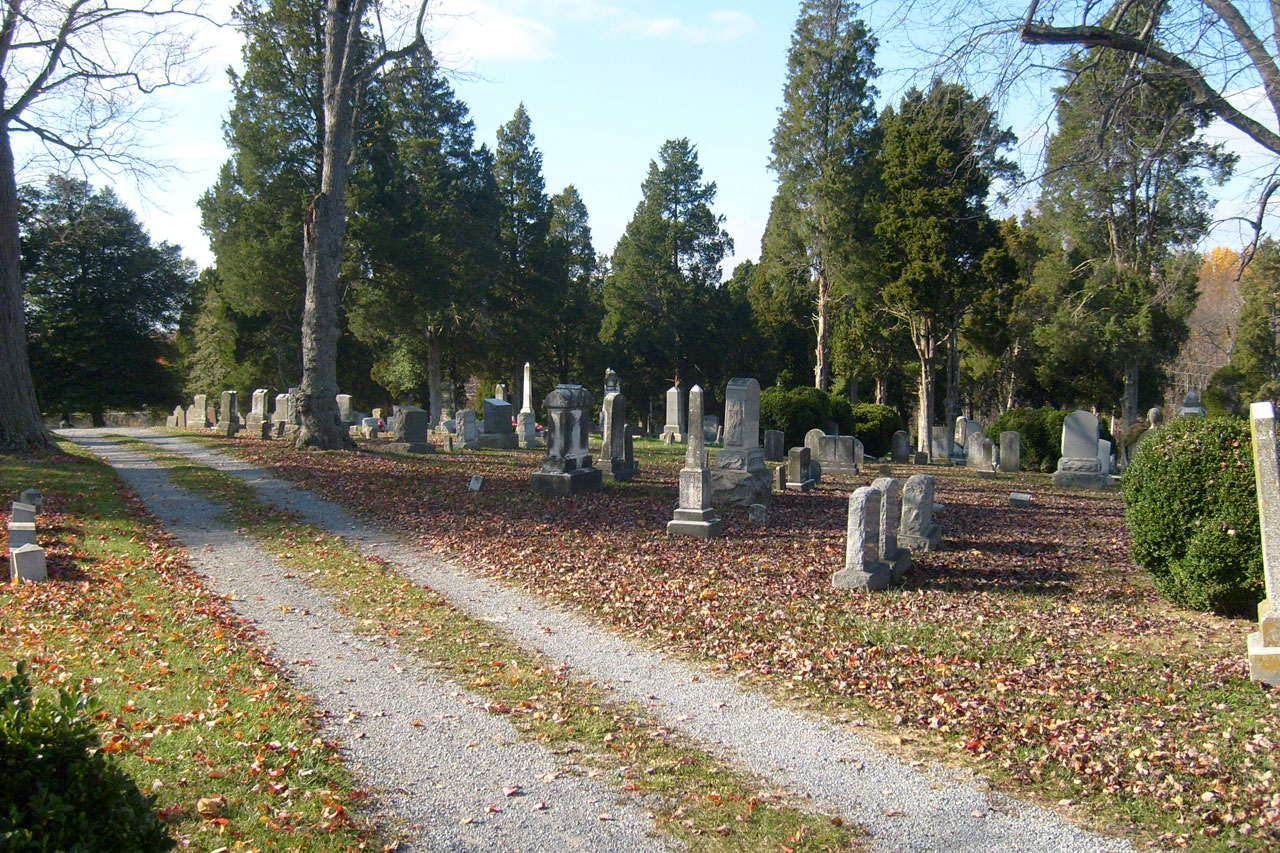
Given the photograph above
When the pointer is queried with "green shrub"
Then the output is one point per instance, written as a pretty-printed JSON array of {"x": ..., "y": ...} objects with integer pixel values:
[
  {"x": 795, "y": 412},
  {"x": 1041, "y": 431},
  {"x": 874, "y": 425},
  {"x": 1191, "y": 508},
  {"x": 842, "y": 413},
  {"x": 61, "y": 793}
]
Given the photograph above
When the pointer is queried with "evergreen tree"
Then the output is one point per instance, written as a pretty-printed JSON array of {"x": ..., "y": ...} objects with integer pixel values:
[
  {"x": 782, "y": 296},
  {"x": 940, "y": 249},
  {"x": 575, "y": 288},
  {"x": 665, "y": 280},
  {"x": 1123, "y": 206},
  {"x": 101, "y": 300},
  {"x": 1254, "y": 369},
  {"x": 823, "y": 148}
]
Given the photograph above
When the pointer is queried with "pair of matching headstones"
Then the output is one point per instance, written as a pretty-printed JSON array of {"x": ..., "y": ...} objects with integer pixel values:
[{"x": 26, "y": 558}]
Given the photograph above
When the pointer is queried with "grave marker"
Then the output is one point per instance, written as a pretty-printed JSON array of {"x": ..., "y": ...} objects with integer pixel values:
[
  {"x": 1079, "y": 466},
  {"x": 567, "y": 468},
  {"x": 27, "y": 563},
  {"x": 917, "y": 530},
  {"x": 862, "y": 566},
  {"x": 1264, "y": 644},
  {"x": 693, "y": 515}
]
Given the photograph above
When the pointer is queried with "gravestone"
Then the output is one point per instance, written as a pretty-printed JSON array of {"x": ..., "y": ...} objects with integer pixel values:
[
  {"x": 940, "y": 438},
  {"x": 900, "y": 447},
  {"x": 34, "y": 497},
  {"x": 22, "y": 512},
  {"x": 740, "y": 477},
  {"x": 1010, "y": 451},
  {"x": 178, "y": 420},
  {"x": 21, "y": 533},
  {"x": 228, "y": 415},
  {"x": 978, "y": 455},
  {"x": 863, "y": 568},
  {"x": 612, "y": 384},
  {"x": 498, "y": 433},
  {"x": 674, "y": 430},
  {"x": 774, "y": 449},
  {"x": 280, "y": 415},
  {"x": 258, "y": 423},
  {"x": 1021, "y": 500},
  {"x": 500, "y": 392},
  {"x": 917, "y": 529},
  {"x": 615, "y": 461},
  {"x": 898, "y": 558},
  {"x": 758, "y": 514},
  {"x": 693, "y": 515},
  {"x": 476, "y": 483},
  {"x": 837, "y": 454},
  {"x": 1191, "y": 407},
  {"x": 346, "y": 410},
  {"x": 1264, "y": 644},
  {"x": 409, "y": 433},
  {"x": 960, "y": 435},
  {"x": 711, "y": 429},
  {"x": 567, "y": 468},
  {"x": 369, "y": 428},
  {"x": 1104, "y": 455},
  {"x": 27, "y": 563},
  {"x": 780, "y": 478},
  {"x": 799, "y": 475},
  {"x": 526, "y": 421},
  {"x": 198, "y": 412},
  {"x": 1079, "y": 466},
  {"x": 1155, "y": 416}
]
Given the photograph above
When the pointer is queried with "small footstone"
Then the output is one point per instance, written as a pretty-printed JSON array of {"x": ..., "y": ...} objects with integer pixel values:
[
  {"x": 476, "y": 482},
  {"x": 28, "y": 564},
  {"x": 757, "y": 513},
  {"x": 1021, "y": 499}
]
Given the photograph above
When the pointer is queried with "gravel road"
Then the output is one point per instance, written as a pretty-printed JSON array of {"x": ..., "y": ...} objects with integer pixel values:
[
  {"x": 928, "y": 807},
  {"x": 439, "y": 779}
]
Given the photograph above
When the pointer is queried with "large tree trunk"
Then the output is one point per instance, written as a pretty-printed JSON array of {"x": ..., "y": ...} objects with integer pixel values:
[
  {"x": 822, "y": 310},
  {"x": 323, "y": 230},
  {"x": 926, "y": 348},
  {"x": 21, "y": 427}
]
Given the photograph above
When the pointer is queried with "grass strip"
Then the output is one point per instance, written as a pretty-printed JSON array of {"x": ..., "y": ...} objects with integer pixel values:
[
  {"x": 696, "y": 796},
  {"x": 192, "y": 708}
]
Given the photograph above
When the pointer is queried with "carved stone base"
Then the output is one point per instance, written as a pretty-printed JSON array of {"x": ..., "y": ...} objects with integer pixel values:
[
  {"x": 702, "y": 523},
  {"x": 929, "y": 541},
  {"x": 568, "y": 483},
  {"x": 411, "y": 447},
  {"x": 872, "y": 576}
]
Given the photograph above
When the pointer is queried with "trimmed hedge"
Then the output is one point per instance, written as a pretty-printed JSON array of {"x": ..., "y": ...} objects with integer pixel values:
[
  {"x": 1041, "y": 431},
  {"x": 874, "y": 425},
  {"x": 61, "y": 793},
  {"x": 1192, "y": 512},
  {"x": 801, "y": 409}
]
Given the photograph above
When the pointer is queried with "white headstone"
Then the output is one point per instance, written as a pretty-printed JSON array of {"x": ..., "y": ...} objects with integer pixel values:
[
  {"x": 27, "y": 563},
  {"x": 1264, "y": 644}
]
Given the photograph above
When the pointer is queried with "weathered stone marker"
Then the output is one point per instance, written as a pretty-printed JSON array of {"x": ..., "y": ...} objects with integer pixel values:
[
  {"x": 1264, "y": 644},
  {"x": 740, "y": 477},
  {"x": 1010, "y": 452},
  {"x": 900, "y": 447},
  {"x": 567, "y": 468},
  {"x": 897, "y": 558},
  {"x": 614, "y": 458},
  {"x": 757, "y": 513},
  {"x": 34, "y": 497},
  {"x": 693, "y": 515},
  {"x": 837, "y": 454},
  {"x": 27, "y": 563},
  {"x": 1019, "y": 499},
  {"x": 477, "y": 481},
  {"x": 862, "y": 566},
  {"x": 526, "y": 422},
  {"x": 258, "y": 423},
  {"x": 917, "y": 530},
  {"x": 799, "y": 475},
  {"x": 498, "y": 433},
  {"x": 21, "y": 533},
  {"x": 198, "y": 412},
  {"x": 346, "y": 410},
  {"x": 774, "y": 449},
  {"x": 228, "y": 415},
  {"x": 674, "y": 430},
  {"x": 409, "y": 434},
  {"x": 1079, "y": 466},
  {"x": 1191, "y": 407},
  {"x": 940, "y": 445},
  {"x": 22, "y": 512}
]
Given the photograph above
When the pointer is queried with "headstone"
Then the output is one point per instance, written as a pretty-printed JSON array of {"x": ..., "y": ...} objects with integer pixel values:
[
  {"x": 22, "y": 512},
  {"x": 920, "y": 458},
  {"x": 757, "y": 513},
  {"x": 499, "y": 434},
  {"x": 1078, "y": 467},
  {"x": 693, "y": 515},
  {"x": 711, "y": 428},
  {"x": 774, "y": 451},
  {"x": 1264, "y": 644},
  {"x": 863, "y": 568},
  {"x": 21, "y": 533},
  {"x": 346, "y": 410},
  {"x": 500, "y": 391},
  {"x": 526, "y": 420},
  {"x": 34, "y": 497},
  {"x": 1019, "y": 499},
  {"x": 900, "y": 447},
  {"x": 1104, "y": 455},
  {"x": 258, "y": 423},
  {"x": 179, "y": 417},
  {"x": 280, "y": 415},
  {"x": 612, "y": 384},
  {"x": 228, "y": 415},
  {"x": 917, "y": 530},
  {"x": 567, "y": 468},
  {"x": 837, "y": 454},
  {"x": 978, "y": 455},
  {"x": 674, "y": 430},
  {"x": 198, "y": 412},
  {"x": 409, "y": 432},
  {"x": 614, "y": 460},
  {"x": 1191, "y": 407},
  {"x": 27, "y": 563},
  {"x": 940, "y": 438},
  {"x": 477, "y": 481},
  {"x": 798, "y": 474},
  {"x": 898, "y": 558},
  {"x": 740, "y": 477},
  {"x": 780, "y": 478},
  {"x": 468, "y": 431},
  {"x": 1155, "y": 416},
  {"x": 960, "y": 435},
  {"x": 369, "y": 428},
  {"x": 1010, "y": 451}
]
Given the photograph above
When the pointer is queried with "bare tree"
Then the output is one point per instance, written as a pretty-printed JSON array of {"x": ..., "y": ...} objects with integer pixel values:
[
  {"x": 324, "y": 225},
  {"x": 74, "y": 75}
]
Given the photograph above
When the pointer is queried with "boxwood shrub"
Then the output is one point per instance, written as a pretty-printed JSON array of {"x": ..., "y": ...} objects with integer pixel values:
[
  {"x": 1041, "y": 431},
  {"x": 874, "y": 425},
  {"x": 795, "y": 412},
  {"x": 61, "y": 793},
  {"x": 1192, "y": 512}
]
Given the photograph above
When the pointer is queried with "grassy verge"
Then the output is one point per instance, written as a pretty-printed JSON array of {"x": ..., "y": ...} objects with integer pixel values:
[
  {"x": 697, "y": 797},
  {"x": 192, "y": 708},
  {"x": 1028, "y": 648}
]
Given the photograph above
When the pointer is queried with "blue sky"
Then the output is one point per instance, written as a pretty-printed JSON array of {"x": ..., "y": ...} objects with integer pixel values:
[{"x": 605, "y": 83}]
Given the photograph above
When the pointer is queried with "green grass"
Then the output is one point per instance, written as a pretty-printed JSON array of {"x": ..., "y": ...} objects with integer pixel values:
[{"x": 192, "y": 708}]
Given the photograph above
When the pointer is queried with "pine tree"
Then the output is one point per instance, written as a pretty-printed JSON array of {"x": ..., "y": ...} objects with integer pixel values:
[
  {"x": 575, "y": 288},
  {"x": 823, "y": 148},
  {"x": 665, "y": 276}
]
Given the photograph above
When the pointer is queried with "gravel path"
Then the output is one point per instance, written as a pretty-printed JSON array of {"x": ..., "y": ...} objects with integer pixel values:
[
  {"x": 924, "y": 808},
  {"x": 438, "y": 779}
]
